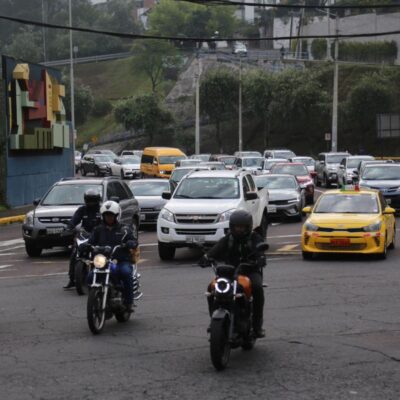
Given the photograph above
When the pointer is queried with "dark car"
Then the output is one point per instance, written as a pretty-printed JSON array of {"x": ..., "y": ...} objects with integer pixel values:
[
  {"x": 44, "y": 227},
  {"x": 97, "y": 164}
]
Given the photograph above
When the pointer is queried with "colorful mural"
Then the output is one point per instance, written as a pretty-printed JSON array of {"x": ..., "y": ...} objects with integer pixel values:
[{"x": 36, "y": 113}]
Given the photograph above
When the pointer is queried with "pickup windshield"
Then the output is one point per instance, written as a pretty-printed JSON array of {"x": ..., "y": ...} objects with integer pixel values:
[
  {"x": 208, "y": 188},
  {"x": 348, "y": 204},
  {"x": 69, "y": 194},
  {"x": 382, "y": 173}
]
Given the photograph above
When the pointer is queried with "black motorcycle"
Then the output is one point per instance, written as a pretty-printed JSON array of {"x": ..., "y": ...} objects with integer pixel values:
[
  {"x": 105, "y": 298},
  {"x": 82, "y": 260},
  {"x": 232, "y": 311}
]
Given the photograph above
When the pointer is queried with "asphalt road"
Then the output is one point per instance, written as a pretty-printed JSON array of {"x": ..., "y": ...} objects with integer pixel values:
[{"x": 333, "y": 330}]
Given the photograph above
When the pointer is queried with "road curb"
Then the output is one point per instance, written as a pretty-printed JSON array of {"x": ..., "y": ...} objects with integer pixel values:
[{"x": 10, "y": 220}]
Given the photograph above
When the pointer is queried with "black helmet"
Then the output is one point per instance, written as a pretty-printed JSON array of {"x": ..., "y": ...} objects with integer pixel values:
[
  {"x": 240, "y": 224},
  {"x": 92, "y": 198}
]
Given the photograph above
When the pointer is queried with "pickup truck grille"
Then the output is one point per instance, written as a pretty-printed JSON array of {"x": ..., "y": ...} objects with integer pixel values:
[
  {"x": 196, "y": 231},
  {"x": 278, "y": 202},
  {"x": 54, "y": 220},
  {"x": 196, "y": 218}
]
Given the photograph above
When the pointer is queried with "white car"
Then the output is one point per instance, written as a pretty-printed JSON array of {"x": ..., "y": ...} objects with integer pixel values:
[
  {"x": 251, "y": 164},
  {"x": 270, "y": 162},
  {"x": 126, "y": 167},
  {"x": 198, "y": 212},
  {"x": 239, "y": 48},
  {"x": 130, "y": 153}
]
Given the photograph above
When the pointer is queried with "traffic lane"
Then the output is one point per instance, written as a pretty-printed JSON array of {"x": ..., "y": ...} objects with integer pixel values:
[
  {"x": 332, "y": 333},
  {"x": 9, "y": 232}
]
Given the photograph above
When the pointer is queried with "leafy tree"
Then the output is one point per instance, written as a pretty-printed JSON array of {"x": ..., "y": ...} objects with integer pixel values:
[
  {"x": 218, "y": 98},
  {"x": 154, "y": 57},
  {"x": 26, "y": 45},
  {"x": 83, "y": 102},
  {"x": 143, "y": 113}
]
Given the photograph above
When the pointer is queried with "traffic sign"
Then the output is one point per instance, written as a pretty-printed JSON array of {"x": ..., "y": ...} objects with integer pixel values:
[{"x": 328, "y": 137}]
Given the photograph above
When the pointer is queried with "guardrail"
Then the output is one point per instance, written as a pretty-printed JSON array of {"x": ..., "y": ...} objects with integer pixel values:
[{"x": 84, "y": 60}]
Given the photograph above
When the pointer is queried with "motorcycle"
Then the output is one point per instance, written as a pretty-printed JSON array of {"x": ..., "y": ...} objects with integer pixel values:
[
  {"x": 82, "y": 261},
  {"x": 232, "y": 311},
  {"x": 105, "y": 298}
]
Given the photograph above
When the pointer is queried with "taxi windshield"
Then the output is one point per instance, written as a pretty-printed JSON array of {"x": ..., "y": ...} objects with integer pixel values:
[{"x": 348, "y": 204}]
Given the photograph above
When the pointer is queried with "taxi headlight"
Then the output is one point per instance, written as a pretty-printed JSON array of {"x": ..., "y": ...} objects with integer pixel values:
[
  {"x": 310, "y": 227},
  {"x": 373, "y": 227},
  {"x": 99, "y": 261},
  {"x": 167, "y": 215},
  {"x": 29, "y": 218}
]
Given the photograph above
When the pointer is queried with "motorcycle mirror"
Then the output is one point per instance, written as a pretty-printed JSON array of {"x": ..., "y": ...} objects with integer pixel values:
[{"x": 262, "y": 247}]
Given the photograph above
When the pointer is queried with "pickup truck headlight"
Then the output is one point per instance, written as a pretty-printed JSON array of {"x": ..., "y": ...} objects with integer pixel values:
[
  {"x": 310, "y": 227},
  {"x": 29, "y": 218},
  {"x": 373, "y": 227},
  {"x": 225, "y": 216},
  {"x": 167, "y": 215}
]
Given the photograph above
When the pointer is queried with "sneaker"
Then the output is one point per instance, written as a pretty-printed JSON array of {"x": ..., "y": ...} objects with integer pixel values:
[{"x": 69, "y": 285}]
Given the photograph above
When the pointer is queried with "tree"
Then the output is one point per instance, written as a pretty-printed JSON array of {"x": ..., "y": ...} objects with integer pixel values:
[
  {"x": 26, "y": 45},
  {"x": 83, "y": 102},
  {"x": 143, "y": 113},
  {"x": 154, "y": 57},
  {"x": 218, "y": 98}
]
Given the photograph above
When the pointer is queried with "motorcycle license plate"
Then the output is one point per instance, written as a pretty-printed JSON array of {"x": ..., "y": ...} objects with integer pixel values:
[
  {"x": 195, "y": 239},
  {"x": 271, "y": 209},
  {"x": 54, "y": 231},
  {"x": 340, "y": 242}
]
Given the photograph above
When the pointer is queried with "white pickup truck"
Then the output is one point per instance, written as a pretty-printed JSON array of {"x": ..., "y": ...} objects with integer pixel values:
[{"x": 198, "y": 212}]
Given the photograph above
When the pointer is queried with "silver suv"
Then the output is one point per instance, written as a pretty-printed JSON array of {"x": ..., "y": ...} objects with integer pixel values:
[
  {"x": 326, "y": 168},
  {"x": 44, "y": 227}
]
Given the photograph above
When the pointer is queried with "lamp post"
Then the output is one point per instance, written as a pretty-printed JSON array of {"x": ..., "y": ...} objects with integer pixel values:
[
  {"x": 335, "y": 89},
  {"x": 197, "y": 132},
  {"x": 71, "y": 55},
  {"x": 240, "y": 108}
]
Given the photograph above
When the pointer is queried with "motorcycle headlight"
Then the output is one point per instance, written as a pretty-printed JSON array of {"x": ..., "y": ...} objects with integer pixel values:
[
  {"x": 373, "y": 227},
  {"x": 99, "y": 261},
  {"x": 225, "y": 216},
  {"x": 28, "y": 218},
  {"x": 222, "y": 285},
  {"x": 310, "y": 227},
  {"x": 167, "y": 215}
]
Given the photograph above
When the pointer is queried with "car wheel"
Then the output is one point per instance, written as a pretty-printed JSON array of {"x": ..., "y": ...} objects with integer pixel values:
[
  {"x": 263, "y": 228},
  {"x": 122, "y": 174},
  {"x": 383, "y": 255},
  {"x": 316, "y": 182},
  {"x": 166, "y": 253},
  {"x": 310, "y": 200},
  {"x": 393, "y": 244},
  {"x": 307, "y": 255},
  {"x": 326, "y": 183},
  {"x": 299, "y": 217},
  {"x": 32, "y": 250},
  {"x": 135, "y": 228}
]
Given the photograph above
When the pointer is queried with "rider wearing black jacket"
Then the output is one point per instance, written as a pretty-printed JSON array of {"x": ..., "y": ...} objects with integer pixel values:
[
  {"x": 239, "y": 246},
  {"x": 89, "y": 216}
]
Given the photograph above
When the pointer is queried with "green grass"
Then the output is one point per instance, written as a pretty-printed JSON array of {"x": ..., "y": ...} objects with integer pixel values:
[{"x": 113, "y": 80}]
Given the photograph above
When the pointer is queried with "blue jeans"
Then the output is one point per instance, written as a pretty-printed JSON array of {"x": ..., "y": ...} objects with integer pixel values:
[{"x": 123, "y": 273}]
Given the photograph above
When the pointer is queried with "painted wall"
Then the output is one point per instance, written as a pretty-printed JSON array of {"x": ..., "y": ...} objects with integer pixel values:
[{"x": 33, "y": 167}]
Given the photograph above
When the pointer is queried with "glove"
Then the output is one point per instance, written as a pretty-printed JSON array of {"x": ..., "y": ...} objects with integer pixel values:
[{"x": 204, "y": 262}]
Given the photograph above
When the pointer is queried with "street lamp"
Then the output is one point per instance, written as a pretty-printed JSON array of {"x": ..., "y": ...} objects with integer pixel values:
[{"x": 71, "y": 56}]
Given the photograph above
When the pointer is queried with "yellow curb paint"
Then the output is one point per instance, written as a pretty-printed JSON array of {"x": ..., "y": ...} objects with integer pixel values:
[{"x": 10, "y": 220}]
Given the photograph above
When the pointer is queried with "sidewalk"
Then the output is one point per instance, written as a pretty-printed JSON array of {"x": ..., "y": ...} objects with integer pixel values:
[{"x": 14, "y": 214}]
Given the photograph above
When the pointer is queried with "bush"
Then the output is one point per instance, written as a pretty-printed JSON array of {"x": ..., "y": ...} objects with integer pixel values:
[
  {"x": 101, "y": 107},
  {"x": 318, "y": 49}
]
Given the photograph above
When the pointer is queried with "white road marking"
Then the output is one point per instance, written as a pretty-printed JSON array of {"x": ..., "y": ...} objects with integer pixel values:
[
  {"x": 33, "y": 276},
  {"x": 288, "y": 247},
  {"x": 7, "y": 254},
  {"x": 11, "y": 242},
  {"x": 283, "y": 236},
  {"x": 12, "y": 248},
  {"x": 6, "y": 266}
]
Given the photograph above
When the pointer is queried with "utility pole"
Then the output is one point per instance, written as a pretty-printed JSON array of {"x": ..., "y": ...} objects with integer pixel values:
[
  {"x": 335, "y": 89},
  {"x": 44, "y": 34},
  {"x": 240, "y": 108},
  {"x": 197, "y": 132},
  {"x": 328, "y": 42},
  {"x": 71, "y": 55}
]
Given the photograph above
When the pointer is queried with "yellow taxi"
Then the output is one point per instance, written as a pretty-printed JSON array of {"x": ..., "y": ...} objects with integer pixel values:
[{"x": 350, "y": 220}]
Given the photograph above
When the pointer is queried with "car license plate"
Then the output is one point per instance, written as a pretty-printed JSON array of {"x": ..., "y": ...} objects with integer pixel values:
[
  {"x": 54, "y": 231},
  {"x": 195, "y": 239},
  {"x": 340, "y": 242},
  {"x": 271, "y": 209},
  {"x": 143, "y": 217}
]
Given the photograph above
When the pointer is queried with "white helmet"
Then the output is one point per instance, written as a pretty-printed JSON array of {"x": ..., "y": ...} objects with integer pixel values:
[{"x": 111, "y": 207}]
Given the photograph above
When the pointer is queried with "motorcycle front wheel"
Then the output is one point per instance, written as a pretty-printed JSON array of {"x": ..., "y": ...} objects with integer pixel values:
[
  {"x": 220, "y": 348},
  {"x": 81, "y": 273},
  {"x": 96, "y": 316}
]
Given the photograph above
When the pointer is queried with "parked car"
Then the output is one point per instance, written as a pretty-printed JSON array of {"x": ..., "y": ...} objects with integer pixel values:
[
  {"x": 348, "y": 169},
  {"x": 126, "y": 167},
  {"x": 270, "y": 162},
  {"x": 302, "y": 175},
  {"x": 229, "y": 161},
  {"x": 239, "y": 48},
  {"x": 384, "y": 177},
  {"x": 279, "y": 153},
  {"x": 214, "y": 165},
  {"x": 159, "y": 162},
  {"x": 326, "y": 168},
  {"x": 188, "y": 162},
  {"x": 202, "y": 157},
  {"x": 309, "y": 162},
  {"x": 128, "y": 153},
  {"x": 148, "y": 192},
  {"x": 78, "y": 158},
  {"x": 44, "y": 227},
  {"x": 247, "y": 154},
  {"x": 97, "y": 164},
  {"x": 180, "y": 172},
  {"x": 286, "y": 197},
  {"x": 198, "y": 211},
  {"x": 252, "y": 164},
  {"x": 105, "y": 152}
]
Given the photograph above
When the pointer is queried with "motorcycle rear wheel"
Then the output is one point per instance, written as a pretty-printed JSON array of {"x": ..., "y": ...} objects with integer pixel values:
[
  {"x": 95, "y": 315},
  {"x": 81, "y": 273},
  {"x": 220, "y": 348}
]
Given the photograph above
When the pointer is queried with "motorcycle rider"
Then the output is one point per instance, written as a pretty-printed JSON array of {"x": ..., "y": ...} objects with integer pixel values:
[
  {"x": 111, "y": 233},
  {"x": 89, "y": 216},
  {"x": 238, "y": 246}
]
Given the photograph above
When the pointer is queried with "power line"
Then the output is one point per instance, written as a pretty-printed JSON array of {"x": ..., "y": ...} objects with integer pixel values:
[
  {"x": 292, "y": 6},
  {"x": 191, "y": 39}
]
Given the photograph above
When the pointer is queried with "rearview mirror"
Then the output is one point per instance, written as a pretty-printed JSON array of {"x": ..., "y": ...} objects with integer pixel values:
[
  {"x": 307, "y": 210},
  {"x": 251, "y": 196},
  {"x": 389, "y": 210},
  {"x": 36, "y": 201},
  {"x": 322, "y": 162},
  {"x": 166, "y": 195},
  {"x": 262, "y": 247}
]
